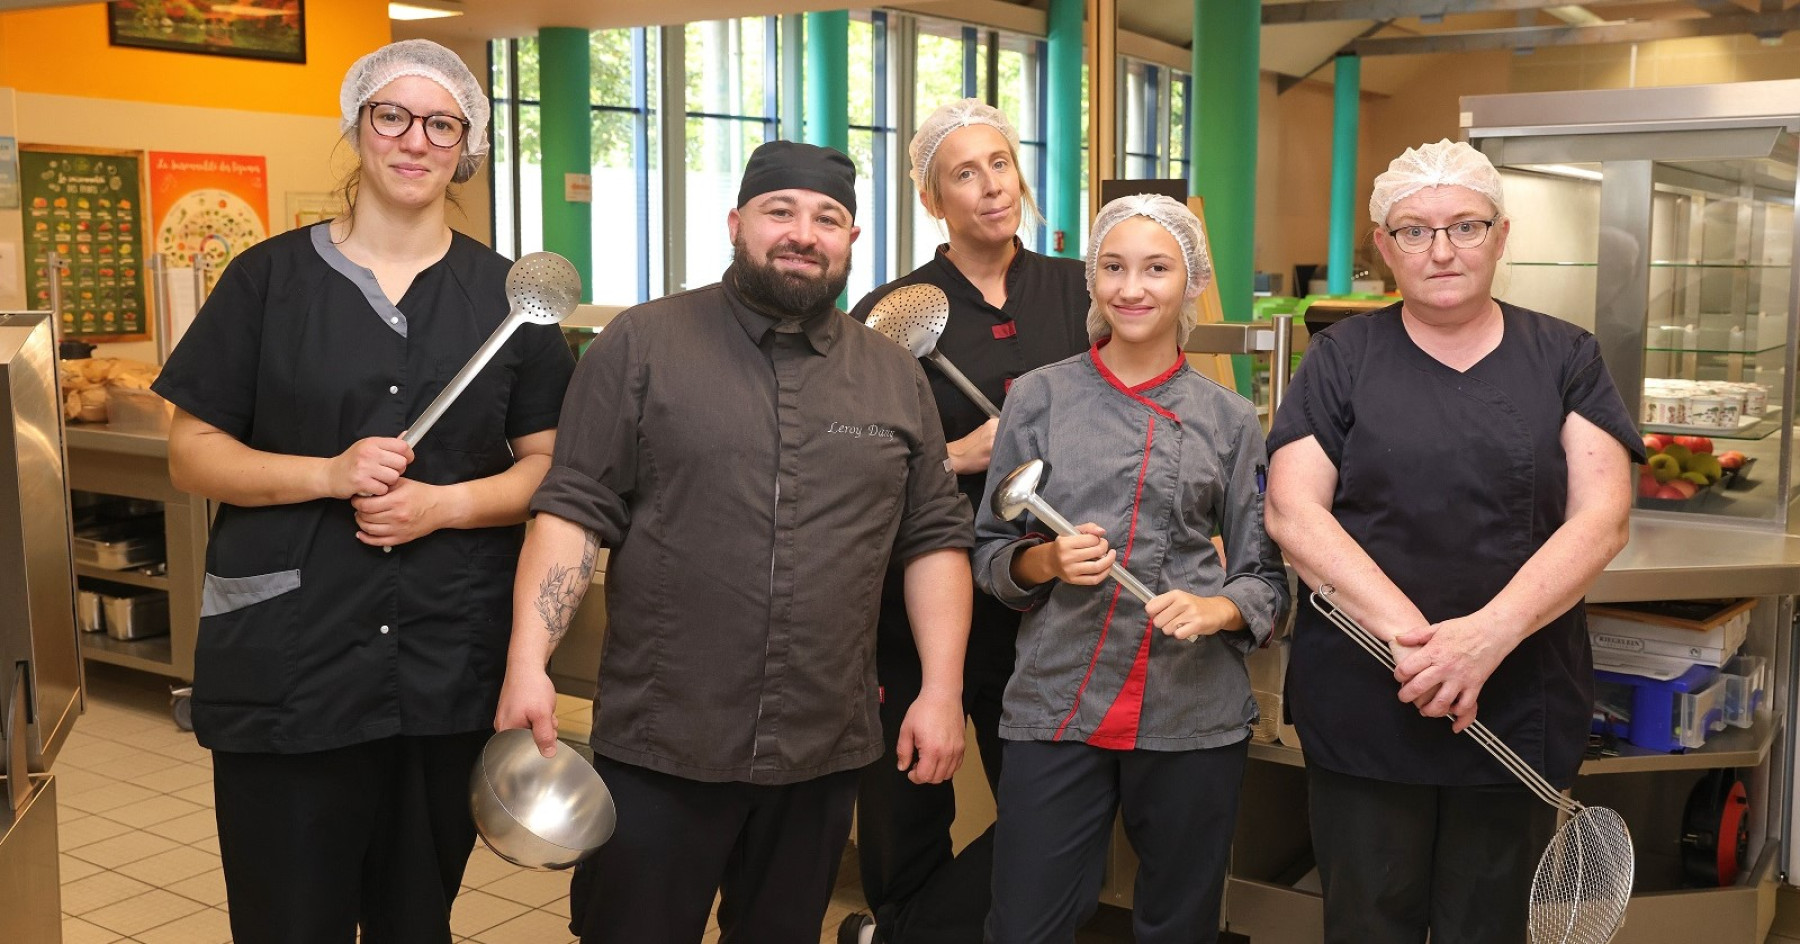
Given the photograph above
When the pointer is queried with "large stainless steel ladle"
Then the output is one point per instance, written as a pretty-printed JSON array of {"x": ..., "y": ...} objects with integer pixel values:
[
  {"x": 542, "y": 288},
  {"x": 1017, "y": 493},
  {"x": 914, "y": 317}
]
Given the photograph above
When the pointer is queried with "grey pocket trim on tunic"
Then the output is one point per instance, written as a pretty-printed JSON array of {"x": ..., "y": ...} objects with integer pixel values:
[{"x": 221, "y": 595}]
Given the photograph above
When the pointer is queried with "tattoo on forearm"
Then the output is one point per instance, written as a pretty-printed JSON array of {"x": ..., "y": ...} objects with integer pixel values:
[{"x": 563, "y": 587}]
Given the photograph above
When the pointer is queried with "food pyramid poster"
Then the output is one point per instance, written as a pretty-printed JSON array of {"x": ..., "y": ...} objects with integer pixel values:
[{"x": 211, "y": 205}]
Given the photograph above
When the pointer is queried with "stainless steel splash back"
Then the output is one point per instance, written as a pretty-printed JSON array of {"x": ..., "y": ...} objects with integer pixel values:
[{"x": 37, "y": 581}]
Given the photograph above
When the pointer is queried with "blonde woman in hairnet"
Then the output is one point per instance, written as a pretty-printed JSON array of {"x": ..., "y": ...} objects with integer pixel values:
[
  {"x": 356, "y": 610},
  {"x": 1456, "y": 469},
  {"x": 1115, "y": 705},
  {"x": 1011, "y": 310}
]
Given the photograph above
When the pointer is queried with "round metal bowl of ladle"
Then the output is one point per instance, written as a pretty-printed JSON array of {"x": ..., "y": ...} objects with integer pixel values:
[{"x": 535, "y": 811}]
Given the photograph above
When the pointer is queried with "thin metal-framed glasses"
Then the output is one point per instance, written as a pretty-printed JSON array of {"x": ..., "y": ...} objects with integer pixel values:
[
  {"x": 393, "y": 121},
  {"x": 1463, "y": 234}
]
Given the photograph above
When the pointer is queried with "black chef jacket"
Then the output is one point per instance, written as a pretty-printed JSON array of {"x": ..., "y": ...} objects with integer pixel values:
[
  {"x": 752, "y": 478},
  {"x": 1043, "y": 321},
  {"x": 1450, "y": 481},
  {"x": 309, "y": 639}
]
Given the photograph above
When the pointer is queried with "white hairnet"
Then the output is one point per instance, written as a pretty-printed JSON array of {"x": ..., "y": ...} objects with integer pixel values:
[
  {"x": 950, "y": 117},
  {"x": 428, "y": 60},
  {"x": 1171, "y": 215},
  {"x": 1444, "y": 164}
]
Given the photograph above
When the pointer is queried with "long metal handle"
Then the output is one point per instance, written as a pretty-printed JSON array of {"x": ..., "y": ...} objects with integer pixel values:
[
  {"x": 53, "y": 273},
  {"x": 1061, "y": 525},
  {"x": 461, "y": 381},
  {"x": 1489, "y": 741},
  {"x": 963, "y": 383}
]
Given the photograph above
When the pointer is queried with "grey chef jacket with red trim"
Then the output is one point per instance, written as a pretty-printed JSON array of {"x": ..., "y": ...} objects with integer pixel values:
[
  {"x": 752, "y": 478},
  {"x": 1450, "y": 481},
  {"x": 1161, "y": 466},
  {"x": 310, "y": 639},
  {"x": 1043, "y": 321}
]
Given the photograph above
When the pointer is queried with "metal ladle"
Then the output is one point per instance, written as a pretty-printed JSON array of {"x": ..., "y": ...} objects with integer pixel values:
[
  {"x": 543, "y": 288},
  {"x": 1018, "y": 493},
  {"x": 914, "y": 317}
]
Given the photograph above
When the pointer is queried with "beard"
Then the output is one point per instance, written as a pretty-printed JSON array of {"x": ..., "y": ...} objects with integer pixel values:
[{"x": 790, "y": 296}]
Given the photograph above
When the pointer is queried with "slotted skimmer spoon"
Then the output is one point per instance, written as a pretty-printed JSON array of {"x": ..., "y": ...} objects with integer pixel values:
[
  {"x": 1583, "y": 880},
  {"x": 542, "y": 288},
  {"x": 914, "y": 317}
]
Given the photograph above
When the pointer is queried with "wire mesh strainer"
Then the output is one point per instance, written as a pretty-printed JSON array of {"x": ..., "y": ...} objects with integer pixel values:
[
  {"x": 914, "y": 317},
  {"x": 1583, "y": 879},
  {"x": 542, "y": 288}
]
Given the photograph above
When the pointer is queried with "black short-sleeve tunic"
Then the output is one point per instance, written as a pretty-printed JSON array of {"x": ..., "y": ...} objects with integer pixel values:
[
  {"x": 1450, "y": 481},
  {"x": 309, "y": 639}
]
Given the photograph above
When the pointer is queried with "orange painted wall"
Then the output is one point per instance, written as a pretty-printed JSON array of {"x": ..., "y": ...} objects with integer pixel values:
[{"x": 63, "y": 51}]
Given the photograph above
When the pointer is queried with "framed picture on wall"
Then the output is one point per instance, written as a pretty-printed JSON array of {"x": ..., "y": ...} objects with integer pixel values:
[{"x": 249, "y": 29}]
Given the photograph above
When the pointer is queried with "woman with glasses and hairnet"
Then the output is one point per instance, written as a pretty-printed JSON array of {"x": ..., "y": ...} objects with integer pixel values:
[
  {"x": 1457, "y": 471},
  {"x": 357, "y": 602},
  {"x": 1116, "y": 706},
  {"x": 1011, "y": 310}
]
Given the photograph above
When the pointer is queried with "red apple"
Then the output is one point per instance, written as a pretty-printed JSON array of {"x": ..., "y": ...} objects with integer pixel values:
[
  {"x": 1656, "y": 442},
  {"x": 1696, "y": 444},
  {"x": 1670, "y": 492},
  {"x": 1731, "y": 459},
  {"x": 1685, "y": 487},
  {"x": 1647, "y": 485}
]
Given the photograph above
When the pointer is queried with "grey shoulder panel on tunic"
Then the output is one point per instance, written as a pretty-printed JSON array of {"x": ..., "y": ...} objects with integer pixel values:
[
  {"x": 362, "y": 278},
  {"x": 220, "y": 595}
]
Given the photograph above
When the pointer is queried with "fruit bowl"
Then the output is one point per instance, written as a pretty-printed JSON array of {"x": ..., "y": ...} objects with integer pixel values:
[{"x": 1739, "y": 477}]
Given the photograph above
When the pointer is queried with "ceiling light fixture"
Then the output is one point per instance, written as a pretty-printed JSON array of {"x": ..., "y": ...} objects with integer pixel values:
[{"x": 421, "y": 10}]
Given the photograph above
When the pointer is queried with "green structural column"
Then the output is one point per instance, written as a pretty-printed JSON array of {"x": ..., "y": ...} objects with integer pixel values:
[
  {"x": 567, "y": 142},
  {"x": 1066, "y": 170},
  {"x": 828, "y": 80},
  {"x": 1227, "y": 39},
  {"x": 1346, "y": 102}
]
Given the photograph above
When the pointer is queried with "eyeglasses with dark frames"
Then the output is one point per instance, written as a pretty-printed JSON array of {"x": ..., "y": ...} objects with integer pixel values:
[
  {"x": 1463, "y": 234},
  {"x": 393, "y": 121}
]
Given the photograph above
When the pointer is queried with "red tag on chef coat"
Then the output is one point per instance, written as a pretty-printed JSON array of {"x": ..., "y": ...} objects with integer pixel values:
[{"x": 1006, "y": 330}]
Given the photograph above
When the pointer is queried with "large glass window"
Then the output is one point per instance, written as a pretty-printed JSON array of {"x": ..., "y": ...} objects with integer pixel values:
[
  {"x": 732, "y": 107},
  {"x": 622, "y": 91},
  {"x": 874, "y": 146},
  {"x": 732, "y": 103},
  {"x": 1156, "y": 120}
]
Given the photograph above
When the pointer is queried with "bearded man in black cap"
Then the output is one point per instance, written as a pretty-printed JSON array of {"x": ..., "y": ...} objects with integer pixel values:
[{"x": 751, "y": 457}]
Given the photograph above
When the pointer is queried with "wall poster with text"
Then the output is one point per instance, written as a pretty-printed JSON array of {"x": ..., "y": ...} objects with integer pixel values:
[
  {"x": 86, "y": 206},
  {"x": 213, "y": 206}
]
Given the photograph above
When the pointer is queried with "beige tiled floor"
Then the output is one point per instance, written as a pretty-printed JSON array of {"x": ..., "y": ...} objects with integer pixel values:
[{"x": 140, "y": 853}]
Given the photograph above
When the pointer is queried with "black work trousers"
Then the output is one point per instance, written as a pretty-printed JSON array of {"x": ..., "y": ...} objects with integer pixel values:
[
  {"x": 769, "y": 853},
  {"x": 918, "y": 889},
  {"x": 1057, "y": 805},
  {"x": 1397, "y": 860},
  {"x": 374, "y": 836}
]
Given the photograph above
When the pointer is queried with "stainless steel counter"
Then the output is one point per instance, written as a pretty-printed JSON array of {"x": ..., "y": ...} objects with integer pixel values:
[
  {"x": 1668, "y": 560},
  {"x": 103, "y": 438}
]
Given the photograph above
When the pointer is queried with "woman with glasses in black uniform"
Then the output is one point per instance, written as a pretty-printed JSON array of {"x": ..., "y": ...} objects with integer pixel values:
[
  {"x": 356, "y": 610},
  {"x": 1457, "y": 471}
]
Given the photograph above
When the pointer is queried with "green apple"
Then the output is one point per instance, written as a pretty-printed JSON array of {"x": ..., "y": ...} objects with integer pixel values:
[{"x": 1664, "y": 467}]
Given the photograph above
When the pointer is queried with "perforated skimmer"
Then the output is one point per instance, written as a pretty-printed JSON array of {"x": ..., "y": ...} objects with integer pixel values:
[
  {"x": 542, "y": 288},
  {"x": 914, "y": 317},
  {"x": 1583, "y": 880}
]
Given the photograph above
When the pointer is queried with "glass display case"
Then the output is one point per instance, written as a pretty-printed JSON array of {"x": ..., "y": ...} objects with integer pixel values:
[{"x": 1663, "y": 221}]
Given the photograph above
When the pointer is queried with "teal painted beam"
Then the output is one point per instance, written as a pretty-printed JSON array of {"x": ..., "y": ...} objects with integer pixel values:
[
  {"x": 1227, "y": 38},
  {"x": 828, "y": 80},
  {"x": 567, "y": 141},
  {"x": 1062, "y": 202},
  {"x": 1346, "y": 104}
]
